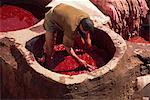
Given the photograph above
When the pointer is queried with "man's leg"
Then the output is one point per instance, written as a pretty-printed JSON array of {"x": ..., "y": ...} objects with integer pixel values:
[{"x": 49, "y": 45}]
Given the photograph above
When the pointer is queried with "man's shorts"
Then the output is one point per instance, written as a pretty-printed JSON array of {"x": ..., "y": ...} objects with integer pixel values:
[
  {"x": 53, "y": 29},
  {"x": 49, "y": 26}
]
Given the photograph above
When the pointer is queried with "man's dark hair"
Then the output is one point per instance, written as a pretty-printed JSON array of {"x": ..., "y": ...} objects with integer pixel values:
[{"x": 87, "y": 25}]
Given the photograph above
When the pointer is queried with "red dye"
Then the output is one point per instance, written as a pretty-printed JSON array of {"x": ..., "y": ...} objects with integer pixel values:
[
  {"x": 138, "y": 39},
  {"x": 13, "y": 18},
  {"x": 63, "y": 63}
]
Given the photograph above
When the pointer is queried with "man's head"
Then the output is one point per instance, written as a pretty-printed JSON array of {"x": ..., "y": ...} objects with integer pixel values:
[
  {"x": 87, "y": 25},
  {"x": 86, "y": 29}
]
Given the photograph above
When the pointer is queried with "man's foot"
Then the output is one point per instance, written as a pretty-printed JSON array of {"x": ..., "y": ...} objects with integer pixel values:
[{"x": 41, "y": 60}]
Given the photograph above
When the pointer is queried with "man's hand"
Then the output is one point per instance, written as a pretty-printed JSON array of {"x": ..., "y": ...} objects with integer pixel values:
[
  {"x": 86, "y": 65},
  {"x": 82, "y": 63},
  {"x": 90, "y": 67}
]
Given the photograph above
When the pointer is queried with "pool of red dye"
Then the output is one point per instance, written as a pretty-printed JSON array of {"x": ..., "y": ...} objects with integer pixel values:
[
  {"x": 138, "y": 39},
  {"x": 13, "y": 18},
  {"x": 63, "y": 63}
]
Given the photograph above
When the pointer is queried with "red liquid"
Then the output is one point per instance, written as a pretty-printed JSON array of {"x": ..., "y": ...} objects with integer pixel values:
[
  {"x": 63, "y": 63},
  {"x": 138, "y": 39},
  {"x": 13, "y": 18}
]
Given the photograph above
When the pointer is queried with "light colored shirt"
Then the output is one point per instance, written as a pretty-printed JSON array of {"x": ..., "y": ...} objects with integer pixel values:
[{"x": 66, "y": 18}]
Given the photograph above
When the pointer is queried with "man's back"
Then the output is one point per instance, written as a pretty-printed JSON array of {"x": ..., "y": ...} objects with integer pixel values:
[{"x": 67, "y": 17}]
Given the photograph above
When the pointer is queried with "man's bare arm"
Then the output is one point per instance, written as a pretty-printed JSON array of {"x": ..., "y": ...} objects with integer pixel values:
[{"x": 73, "y": 54}]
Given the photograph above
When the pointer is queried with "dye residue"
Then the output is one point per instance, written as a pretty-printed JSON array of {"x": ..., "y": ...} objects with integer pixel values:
[
  {"x": 14, "y": 18},
  {"x": 138, "y": 39},
  {"x": 63, "y": 63}
]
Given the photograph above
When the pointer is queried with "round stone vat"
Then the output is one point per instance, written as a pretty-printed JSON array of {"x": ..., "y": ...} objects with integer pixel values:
[
  {"x": 104, "y": 38},
  {"x": 63, "y": 63}
]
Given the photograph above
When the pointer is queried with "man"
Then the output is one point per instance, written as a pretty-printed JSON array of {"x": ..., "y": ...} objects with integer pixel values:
[{"x": 72, "y": 22}]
